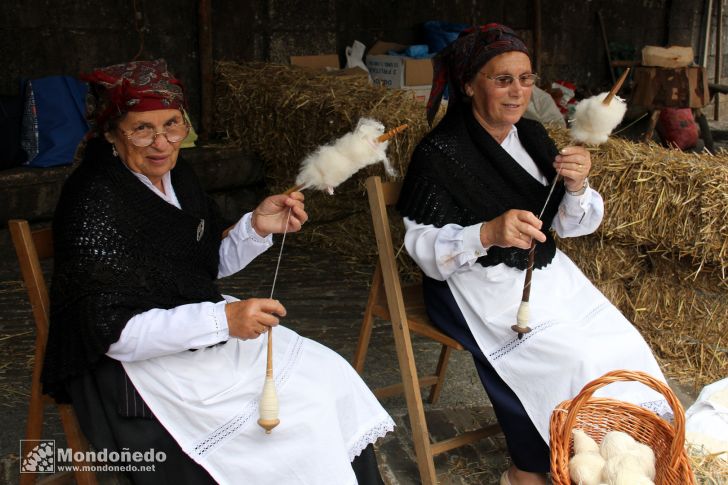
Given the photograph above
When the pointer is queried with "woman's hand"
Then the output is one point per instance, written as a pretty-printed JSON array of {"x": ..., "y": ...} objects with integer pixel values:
[
  {"x": 249, "y": 319},
  {"x": 513, "y": 228},
  {"x": 574, "y": 164},
  {"x": 271, "y": 215}
]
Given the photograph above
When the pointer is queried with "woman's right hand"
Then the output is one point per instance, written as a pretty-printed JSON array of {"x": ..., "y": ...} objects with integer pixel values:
[
  {"x": 249, "y": 319},
  {"x": 513, "y": 228}
]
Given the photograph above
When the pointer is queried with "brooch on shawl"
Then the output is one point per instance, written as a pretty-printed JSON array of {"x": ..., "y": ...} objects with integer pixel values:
[{"x": 200, "y": 229}]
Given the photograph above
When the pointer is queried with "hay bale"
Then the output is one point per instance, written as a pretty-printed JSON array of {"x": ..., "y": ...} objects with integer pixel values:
[
  {"x": 663, "y": 199},
  {"x": 686, "y": 324},
  {"x": 283, "y": 113},
  {"x": 286, "y": 112},
  {"x": 603, "y": 259}
]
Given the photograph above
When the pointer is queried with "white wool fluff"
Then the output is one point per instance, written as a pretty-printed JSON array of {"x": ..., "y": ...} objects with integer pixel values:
[
  {"x": 586, "y": 468},
  {"x": 330, "y": 165},
  {"x": 625, "y": 470},
  {"x": 583, "y": 442},
  {"x": 593, "y": 121},
  {"x": 616, "y": 443}
]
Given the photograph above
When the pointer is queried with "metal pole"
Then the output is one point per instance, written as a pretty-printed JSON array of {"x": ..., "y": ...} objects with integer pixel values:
[{"x": 206, "y": 68}]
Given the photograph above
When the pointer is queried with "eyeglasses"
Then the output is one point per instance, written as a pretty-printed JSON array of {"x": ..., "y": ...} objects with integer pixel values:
[
  {"x": 144, "y": 136},
  {"x": 505, "y": 80}
]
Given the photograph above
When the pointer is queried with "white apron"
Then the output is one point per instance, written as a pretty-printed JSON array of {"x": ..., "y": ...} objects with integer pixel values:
[
  {"x": 208, "y": 401},
  {"x": 577, "y": 335}
]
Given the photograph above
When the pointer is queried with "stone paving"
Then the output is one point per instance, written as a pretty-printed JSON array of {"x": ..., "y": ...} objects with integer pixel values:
[{"x": 325, "y": 295}]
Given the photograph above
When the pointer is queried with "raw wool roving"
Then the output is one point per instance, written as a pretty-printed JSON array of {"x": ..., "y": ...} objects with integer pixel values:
[
  {"x": 332, "y": 164},
  {"x": 593, "y": 121}
]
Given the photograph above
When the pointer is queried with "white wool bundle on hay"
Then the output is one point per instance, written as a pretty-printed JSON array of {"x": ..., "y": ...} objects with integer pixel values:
[
  {"x": 594, "y": 121},
  {"x": 332, "y": 164}
]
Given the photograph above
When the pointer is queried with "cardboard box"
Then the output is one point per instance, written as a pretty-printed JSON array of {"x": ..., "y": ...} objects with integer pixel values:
[
  {"x": 324, "y": 62},
  {"x": 419, "y": 93},
  {"x": 658, "y": 87},
  {"x": 397, "y": 71}
]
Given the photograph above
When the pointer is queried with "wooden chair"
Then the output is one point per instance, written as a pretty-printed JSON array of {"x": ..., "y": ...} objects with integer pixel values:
[
  {"x": 32, "y": 247},
  {"x": 405, "y": 308}
]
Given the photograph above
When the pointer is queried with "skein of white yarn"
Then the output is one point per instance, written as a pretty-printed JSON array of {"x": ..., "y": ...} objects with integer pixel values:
[
  {"x": 628, "y": 462},
  {"x": 616, "y": 443},
  {"x": 583, "y": 442},
  {"x": 586, "y": 466},
  {"x": 625, "y": 469}
]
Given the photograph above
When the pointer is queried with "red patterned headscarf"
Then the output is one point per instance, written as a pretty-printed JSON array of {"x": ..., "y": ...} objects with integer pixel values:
[
  {"x": 458, "y": 63},
  {"x": 134, "y": 86}
]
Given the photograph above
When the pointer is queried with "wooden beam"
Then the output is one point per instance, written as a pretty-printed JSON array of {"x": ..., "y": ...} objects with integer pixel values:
[
  {"x": 206, "y": 68},
  {"x": 718, "y": 56}
]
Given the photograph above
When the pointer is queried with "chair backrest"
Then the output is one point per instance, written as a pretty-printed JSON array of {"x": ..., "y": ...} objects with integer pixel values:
[
  {"x": 32, "y": 247},
  {"x": 383, "y": 194}
]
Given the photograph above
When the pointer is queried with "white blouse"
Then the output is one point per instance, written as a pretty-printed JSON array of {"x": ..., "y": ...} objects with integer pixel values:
[
  {"x": 441, "y": 252},
  {"x": 159, "y": 332}
]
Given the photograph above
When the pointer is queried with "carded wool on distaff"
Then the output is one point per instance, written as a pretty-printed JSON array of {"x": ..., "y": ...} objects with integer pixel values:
[
  {"x": 594, "y": 121},
  {"x": 332, "y": 164}
]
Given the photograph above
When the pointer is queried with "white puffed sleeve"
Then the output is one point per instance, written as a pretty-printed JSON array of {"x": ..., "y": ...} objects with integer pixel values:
[
  {"x": 579, "y": 215},
  {"x": 160, "y": 332},
  {"x": 441, "y": 252},
  {"x": 241, "y": 245}
]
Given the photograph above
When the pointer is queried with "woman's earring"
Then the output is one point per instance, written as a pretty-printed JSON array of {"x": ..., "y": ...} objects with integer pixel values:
[{"x": 113, "y": 150}]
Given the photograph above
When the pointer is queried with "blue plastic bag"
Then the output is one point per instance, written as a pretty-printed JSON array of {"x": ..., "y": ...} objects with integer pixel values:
[
  {"x": 416, "y": 51},
  {"x": 53, "y": 120},
  {"x": 439, "y": 34}
]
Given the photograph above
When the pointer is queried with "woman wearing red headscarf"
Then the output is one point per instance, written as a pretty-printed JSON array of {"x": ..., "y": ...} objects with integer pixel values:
[
  {"x": 470, "y": 201},
  {"x": 138, "y": 247}
]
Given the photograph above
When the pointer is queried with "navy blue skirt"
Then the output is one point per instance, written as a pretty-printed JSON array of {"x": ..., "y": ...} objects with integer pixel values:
[{"x": 528, "y": 450}]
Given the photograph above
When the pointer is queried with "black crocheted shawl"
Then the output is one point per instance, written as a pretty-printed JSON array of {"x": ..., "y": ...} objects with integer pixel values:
[
  {"x": 459, "y": 174},
  {"x": 121, "y": 250}
]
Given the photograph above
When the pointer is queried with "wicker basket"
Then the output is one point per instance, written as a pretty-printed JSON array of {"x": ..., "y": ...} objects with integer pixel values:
[{"x": 597, "y": 416}]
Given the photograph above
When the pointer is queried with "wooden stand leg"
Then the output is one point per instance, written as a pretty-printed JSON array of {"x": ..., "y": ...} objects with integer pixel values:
[{"x": 651, "y": 127}]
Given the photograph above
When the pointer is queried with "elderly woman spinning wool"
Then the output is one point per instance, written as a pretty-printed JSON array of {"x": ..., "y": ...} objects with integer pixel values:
[
  {"x": 145, "y": 347},
  {"x": 471, "y": 200}
]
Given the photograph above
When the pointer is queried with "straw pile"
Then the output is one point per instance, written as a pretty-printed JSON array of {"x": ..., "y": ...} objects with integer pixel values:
[
  {"x": 709, "y": 469},
  {"x": 661, "y": 254}
]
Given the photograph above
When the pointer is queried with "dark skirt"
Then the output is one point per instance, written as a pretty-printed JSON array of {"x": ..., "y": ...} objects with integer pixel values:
[
  {"x": 96, "y": 398},
  {"x": 528, "y": 450}
]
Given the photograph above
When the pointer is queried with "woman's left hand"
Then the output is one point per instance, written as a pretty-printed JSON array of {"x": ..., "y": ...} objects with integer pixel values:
[
  {"x": 574, "y": 164},
  {"x": 271, "y": 215}
]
